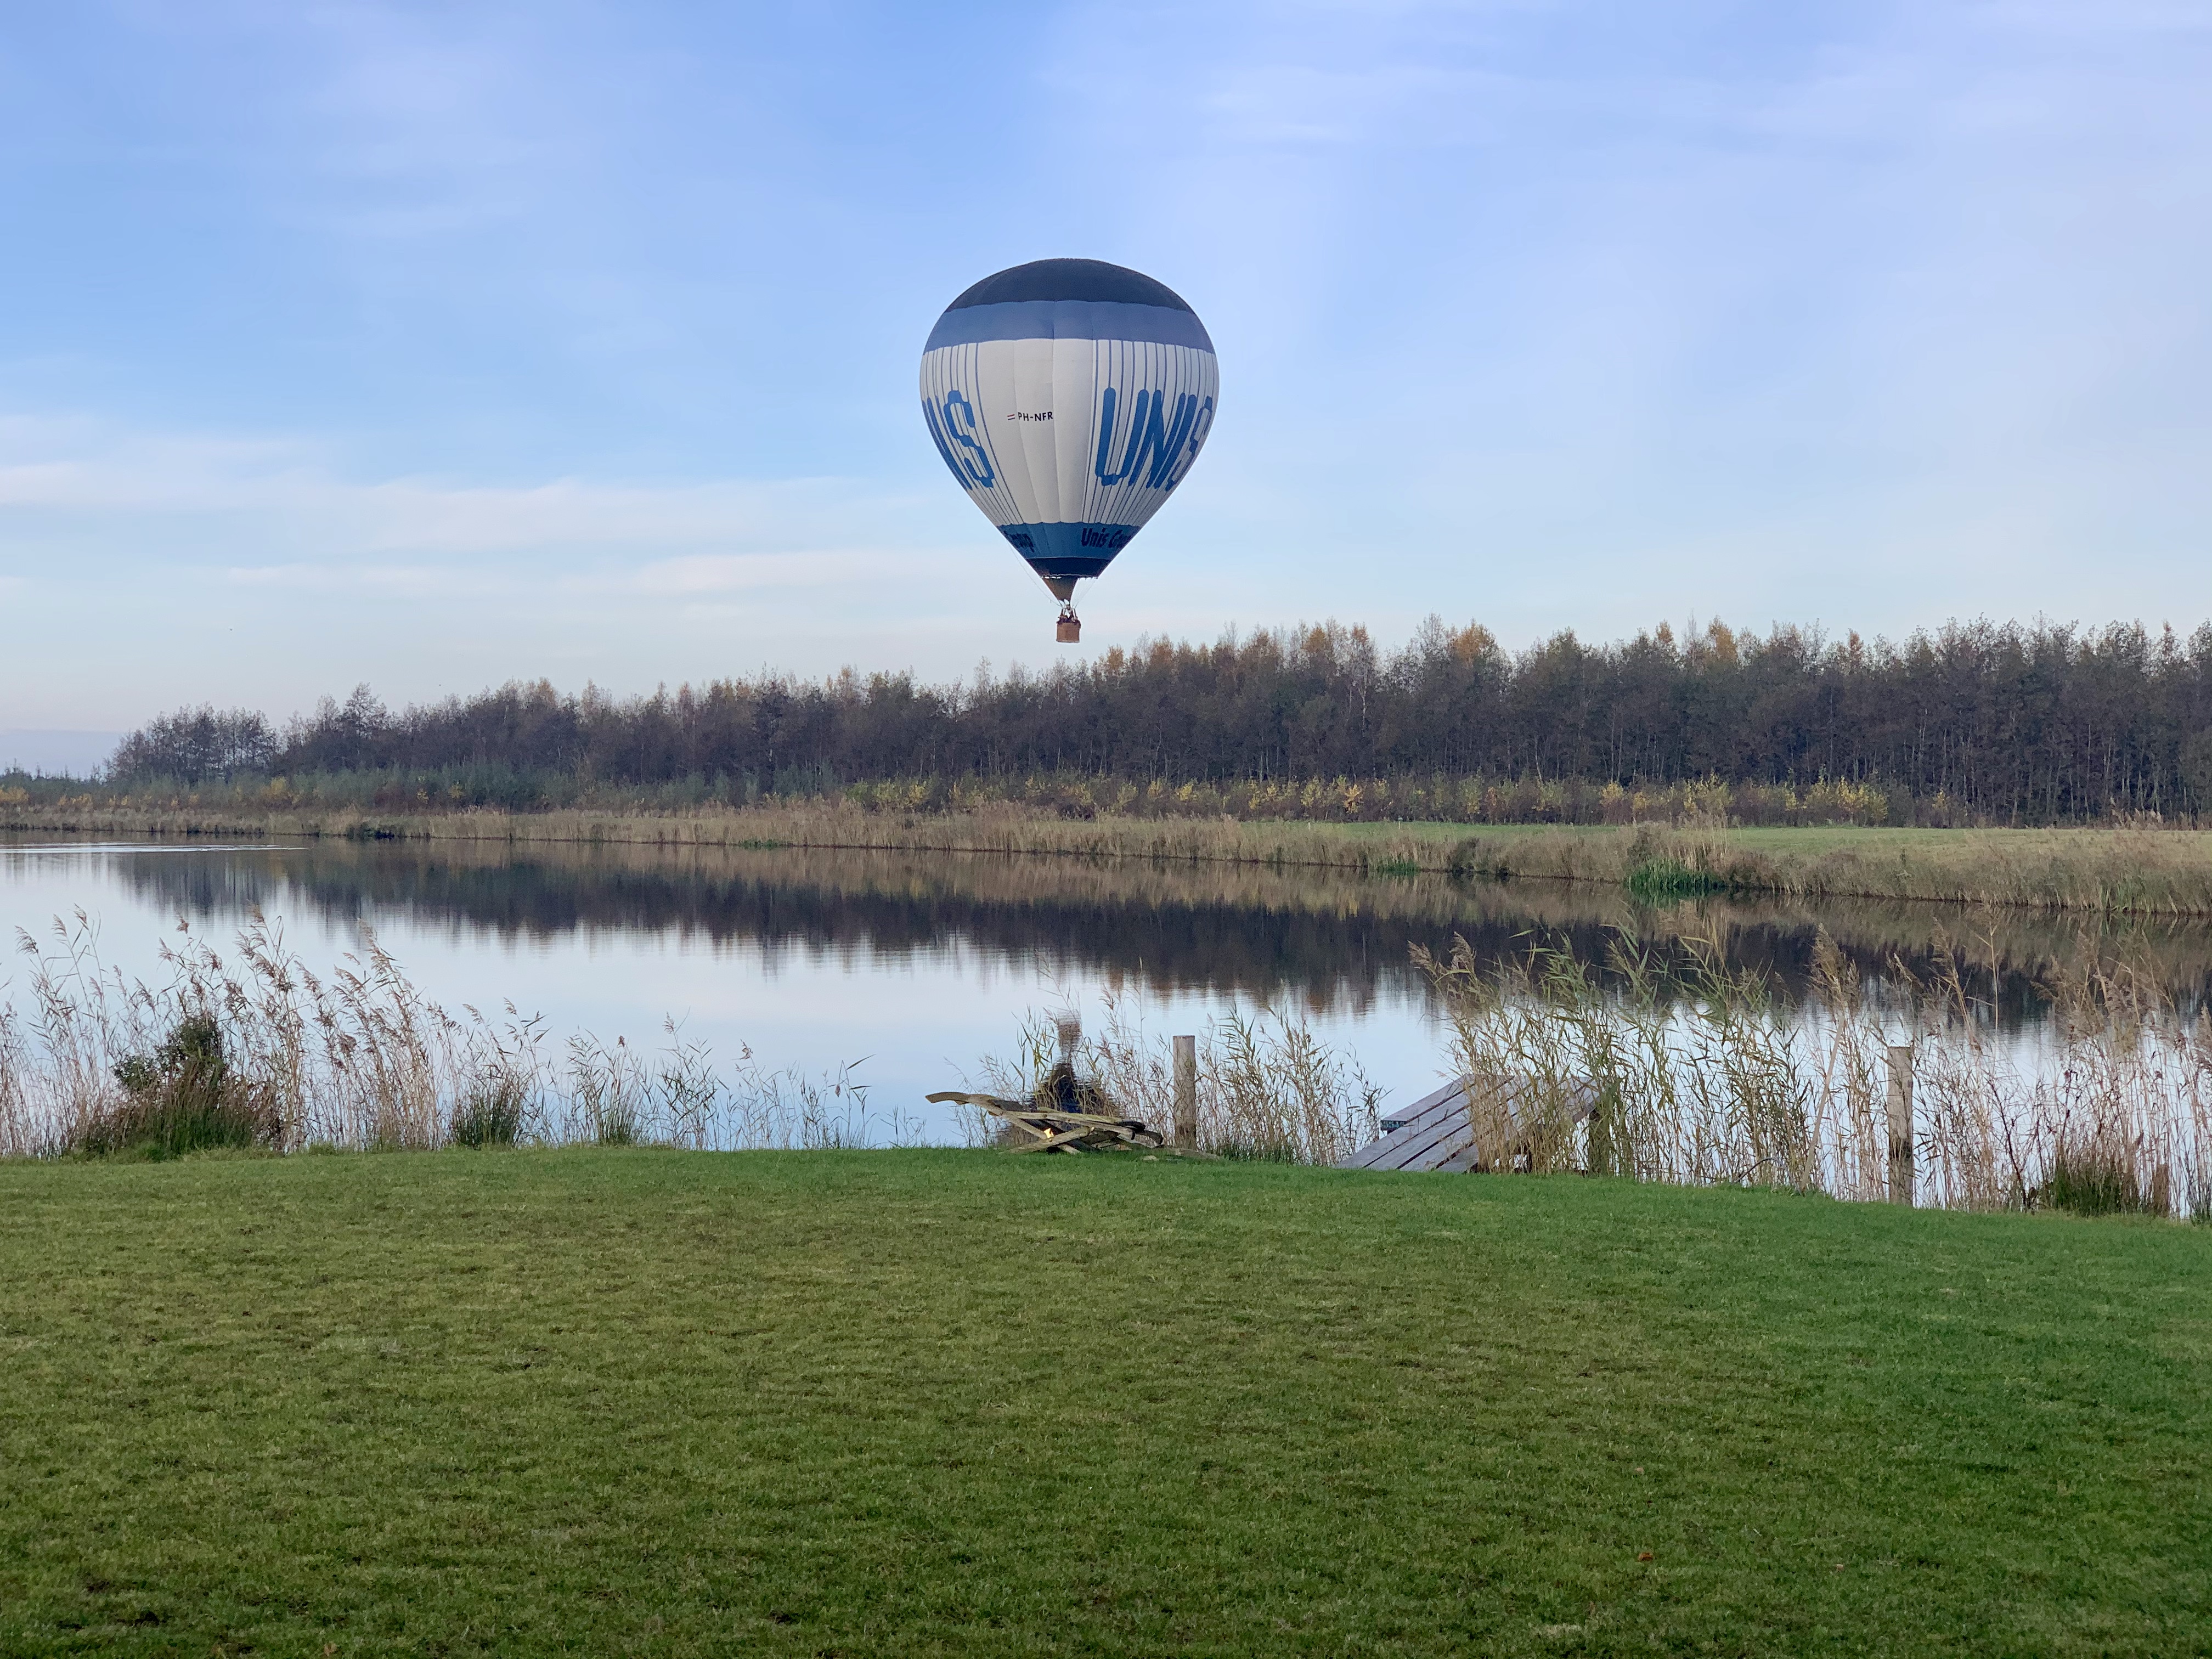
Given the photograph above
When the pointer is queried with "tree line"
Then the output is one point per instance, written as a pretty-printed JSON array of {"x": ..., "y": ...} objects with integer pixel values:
[{"x": 2000, "y": 721}]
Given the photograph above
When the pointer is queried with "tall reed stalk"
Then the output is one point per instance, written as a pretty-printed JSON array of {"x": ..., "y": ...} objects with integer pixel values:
[
  {"x": 1693, "y": 1076},
  {"x": 1686, "y": 1070},
  {"x": 91, "y": 1060},
  {"x": 1269, "y": 1087},
  {"x": 1691, "y": 1072}
]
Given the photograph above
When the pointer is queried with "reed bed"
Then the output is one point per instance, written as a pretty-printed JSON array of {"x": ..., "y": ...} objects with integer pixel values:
[
  {"x": 1697, "y": 1072},
  {"x": 255, "y": 1050},
  {"x": 829, "y": 822},
  {"x": 1692, "y": 1073},
  {"x": 1268, "y": 1086},
  {"x": 1401, "y": 797},
  {"x": 2141, "y": 869}
]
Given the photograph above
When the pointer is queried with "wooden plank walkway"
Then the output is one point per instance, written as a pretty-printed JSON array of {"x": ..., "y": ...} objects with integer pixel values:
[
  {"x": 1420, "y": 1136},
  {"x": 1437, "y": 1131}
]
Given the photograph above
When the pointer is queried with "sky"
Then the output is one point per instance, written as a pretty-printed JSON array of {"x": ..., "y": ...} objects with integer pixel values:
[{"x": 433, "y": 345}]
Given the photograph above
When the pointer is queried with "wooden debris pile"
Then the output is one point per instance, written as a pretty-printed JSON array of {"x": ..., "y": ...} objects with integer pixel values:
[
  {"x": 1057, "y": 1131},
  {"x": 1069, "y": 1114}
]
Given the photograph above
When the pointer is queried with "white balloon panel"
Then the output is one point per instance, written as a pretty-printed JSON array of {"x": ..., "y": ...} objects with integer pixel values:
[{"x": 1065, "y": 433}]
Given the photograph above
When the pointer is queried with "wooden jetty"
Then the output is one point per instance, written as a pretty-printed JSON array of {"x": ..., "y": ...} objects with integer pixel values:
[{"x": 1442, "y": 1130}]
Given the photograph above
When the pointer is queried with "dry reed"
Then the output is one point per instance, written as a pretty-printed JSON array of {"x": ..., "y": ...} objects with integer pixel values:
[
  {"x": 1268, "y": 1086},
  {"x": 1696, "y": 1075},
  {"x": 1689, "y": 1077},
  {"x": 360, "y": 1059},
  {"x": 2134, "y": 870}
]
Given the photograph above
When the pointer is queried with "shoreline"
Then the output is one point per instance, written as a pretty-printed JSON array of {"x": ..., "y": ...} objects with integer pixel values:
[{"x": 2132, "y": 871}]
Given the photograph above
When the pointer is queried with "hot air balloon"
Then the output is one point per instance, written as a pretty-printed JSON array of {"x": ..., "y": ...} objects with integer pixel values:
[{"x": 1069, "y": 397}]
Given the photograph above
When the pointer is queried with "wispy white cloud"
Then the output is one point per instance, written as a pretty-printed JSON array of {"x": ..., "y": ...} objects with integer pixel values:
[
  {"x": 390, "y": 580},
  {"x": 185, "y": 547},
  {"x": 1553, "y": 314},
  {"x": 715, "y": 574},
  {"x": 279, "y": 492}
]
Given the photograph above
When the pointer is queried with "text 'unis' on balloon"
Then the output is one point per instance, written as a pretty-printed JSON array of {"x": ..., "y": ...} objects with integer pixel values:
[{"x": 1069, "y": 398}]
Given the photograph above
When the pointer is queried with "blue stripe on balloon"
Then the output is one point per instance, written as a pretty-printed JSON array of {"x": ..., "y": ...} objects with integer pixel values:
[
  {"x": 1068, "y": 319},
  {"x": 1072, "y": 279},
  {"x": 1069, "y": 550}
]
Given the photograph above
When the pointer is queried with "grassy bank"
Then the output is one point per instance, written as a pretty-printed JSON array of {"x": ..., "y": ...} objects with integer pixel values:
[
  {"x": 2117, "y": 870},
  {"x": 1701, "y": 1076},
  {"x": 963, "y": 1403}
]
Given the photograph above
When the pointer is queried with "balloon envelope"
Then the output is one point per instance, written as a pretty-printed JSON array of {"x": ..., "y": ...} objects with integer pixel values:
[{"x": 1069, "y": 398}]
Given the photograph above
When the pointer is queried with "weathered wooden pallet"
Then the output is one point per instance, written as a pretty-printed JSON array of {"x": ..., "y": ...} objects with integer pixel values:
[
  {"x": 1056, "y": 1131},
  {"x": 1439, "y": 1131}
]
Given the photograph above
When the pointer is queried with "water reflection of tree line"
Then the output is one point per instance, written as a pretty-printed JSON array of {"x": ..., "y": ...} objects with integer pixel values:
[{"x": 1332, "y": 938}]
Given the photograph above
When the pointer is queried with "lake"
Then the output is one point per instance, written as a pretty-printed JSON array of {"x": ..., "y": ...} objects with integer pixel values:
[{"x": 911, "y": 968}]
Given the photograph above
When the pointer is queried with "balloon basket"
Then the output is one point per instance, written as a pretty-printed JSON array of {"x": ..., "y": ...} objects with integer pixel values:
[{"x": 1069, "y": 631}]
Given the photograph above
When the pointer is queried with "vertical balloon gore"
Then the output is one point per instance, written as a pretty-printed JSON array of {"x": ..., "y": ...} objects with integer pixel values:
[{"x": 1068, "y": 398}]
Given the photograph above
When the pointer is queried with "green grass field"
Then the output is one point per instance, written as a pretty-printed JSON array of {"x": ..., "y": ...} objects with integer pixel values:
[
  {"x": 1876, "y": 841},
  {"x": 962, "y": 1403}
]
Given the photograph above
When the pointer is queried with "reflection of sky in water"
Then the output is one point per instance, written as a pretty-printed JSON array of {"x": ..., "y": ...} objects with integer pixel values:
[
  {"x": 915, "y": 1014},
  {"x": 917, "y": 964}
]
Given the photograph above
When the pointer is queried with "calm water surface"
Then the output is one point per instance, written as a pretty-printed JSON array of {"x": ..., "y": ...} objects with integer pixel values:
[{"x": 916, "y": 964}]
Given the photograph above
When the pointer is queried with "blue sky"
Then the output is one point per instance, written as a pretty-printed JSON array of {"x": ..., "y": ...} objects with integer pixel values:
[{"x": 429, "y": 345}]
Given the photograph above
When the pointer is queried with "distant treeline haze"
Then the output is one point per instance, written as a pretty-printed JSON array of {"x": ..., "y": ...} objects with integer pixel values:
[{"x": 1985, "y": 722}]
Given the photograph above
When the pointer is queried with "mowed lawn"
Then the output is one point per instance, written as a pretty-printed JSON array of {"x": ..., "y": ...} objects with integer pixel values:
[{"x": 966, "y": 1403}]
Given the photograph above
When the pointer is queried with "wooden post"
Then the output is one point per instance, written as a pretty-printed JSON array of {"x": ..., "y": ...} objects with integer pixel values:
[
  {"x": 2161, "y": 1190},
  {"x": 1901, "y": 1124},
  {"x": 1186, "y": 1092}
]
